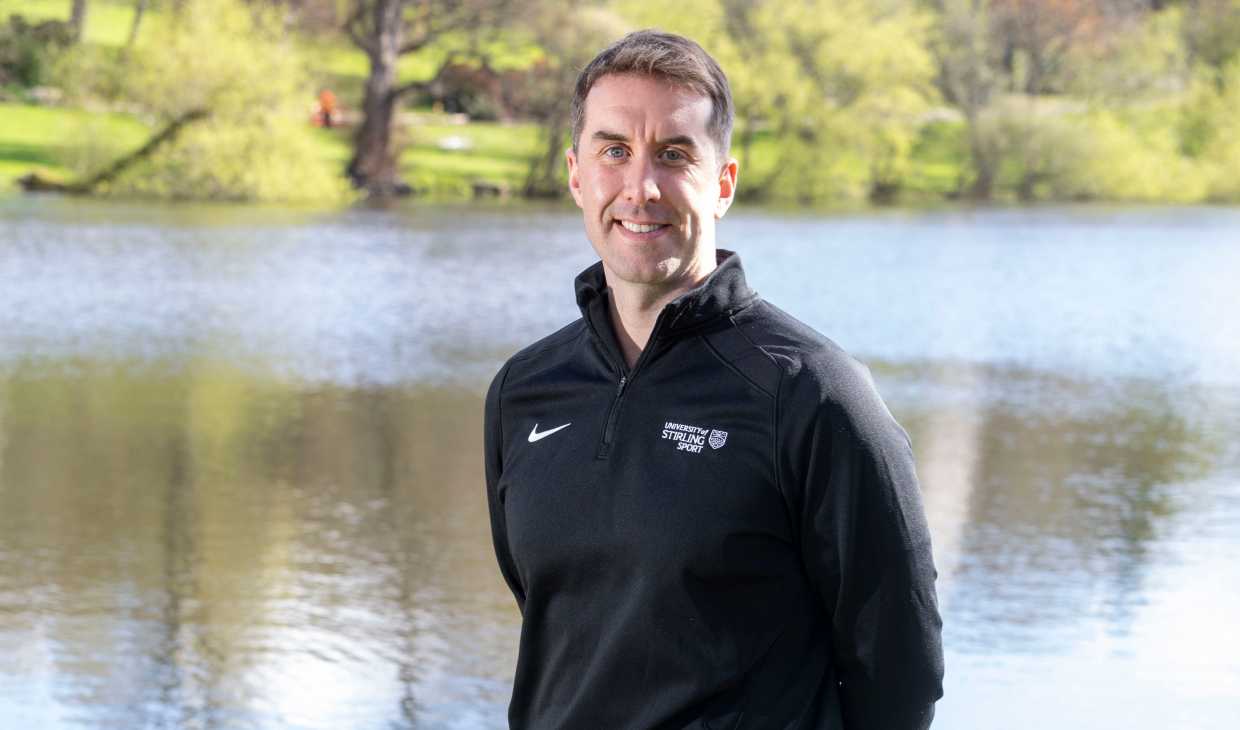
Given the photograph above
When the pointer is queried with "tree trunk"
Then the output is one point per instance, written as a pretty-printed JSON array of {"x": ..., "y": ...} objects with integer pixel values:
[
  {"x": 544, "y": 180},
  {"x": 138, "y": 11},
  {"x": 1033, "y": 84},
  {"x": 747, "y": 140},
  {"x": 374, "y": 163},
  {"x": 983, "y": 165},
  {"x": 77, "y": 19}
]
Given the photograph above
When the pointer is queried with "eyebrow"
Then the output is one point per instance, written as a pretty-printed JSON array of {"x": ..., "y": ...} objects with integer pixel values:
[{"x": 678, "y": 141}]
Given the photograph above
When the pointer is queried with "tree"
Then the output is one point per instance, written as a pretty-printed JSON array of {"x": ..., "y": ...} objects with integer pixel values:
[
  {"x": 867, "y": 81},
  {"x": 139, "y": 10},
  {"x": 967, "y": 77},
  {"x": 1043, "y": 31},
  {"x": 1213, "y": 30},
  {"x": 385, "y": 30},
  {"x": 35, "y": 182},
  {"x": 827, "y": 81},
  {"x": 77, "y": 19},
  {"x": 226, "y": 82},
  {"x": 570, "y": 33},
  {"x": 990, "y": 51},
  {"x": 27, "y": 50}
]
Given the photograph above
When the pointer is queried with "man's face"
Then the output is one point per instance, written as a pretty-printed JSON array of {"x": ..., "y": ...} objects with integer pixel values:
[{"x": 647, "y": 175}]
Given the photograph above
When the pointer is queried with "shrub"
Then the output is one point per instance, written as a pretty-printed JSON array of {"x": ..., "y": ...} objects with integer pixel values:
[
  {"x": 237, "y": 63},
  {"x": 25, "y": 50}
]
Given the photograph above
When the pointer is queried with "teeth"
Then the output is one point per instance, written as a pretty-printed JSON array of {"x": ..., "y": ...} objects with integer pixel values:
[{"x": 636, "y": 228}]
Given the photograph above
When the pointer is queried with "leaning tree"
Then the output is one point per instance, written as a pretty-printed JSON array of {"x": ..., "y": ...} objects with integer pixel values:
[{"x": 385, "y": 30}]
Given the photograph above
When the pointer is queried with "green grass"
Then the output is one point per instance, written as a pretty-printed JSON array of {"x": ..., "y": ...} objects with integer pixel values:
[
  {"x": 59, "y": 142},
  {"x": 56, "y": 141},
  {"x": 501, "y": 154},
  {"x": 939, "y": 162},
  {"x": 52, "y": 139},
  {"x": 107, "y": 21}
]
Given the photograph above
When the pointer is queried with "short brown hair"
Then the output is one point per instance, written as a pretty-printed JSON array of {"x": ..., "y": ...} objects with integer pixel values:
[{"x": 677, "y": 59}]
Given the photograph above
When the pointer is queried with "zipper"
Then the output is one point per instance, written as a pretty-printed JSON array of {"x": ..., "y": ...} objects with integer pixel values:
[{"x": 613, "y": 413}]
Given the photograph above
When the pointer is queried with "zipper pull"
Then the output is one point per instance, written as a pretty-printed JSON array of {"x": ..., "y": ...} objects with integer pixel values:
[{"x": 623, "y": 379}]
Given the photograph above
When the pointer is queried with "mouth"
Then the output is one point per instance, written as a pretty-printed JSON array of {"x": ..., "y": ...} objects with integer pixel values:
[{"x": 642, "y": 227}]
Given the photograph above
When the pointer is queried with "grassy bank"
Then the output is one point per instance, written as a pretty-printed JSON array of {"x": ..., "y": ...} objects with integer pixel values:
[
  {"x": 64, "y": 143},
  {"x": 60, "y": 141}
]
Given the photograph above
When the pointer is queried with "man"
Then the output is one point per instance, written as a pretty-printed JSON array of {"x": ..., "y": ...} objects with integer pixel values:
[{"x": 707, "y": 515}]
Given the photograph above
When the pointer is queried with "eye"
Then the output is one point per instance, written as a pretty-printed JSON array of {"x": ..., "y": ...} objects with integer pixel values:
[
  {"x": 614, "y": 152},
  {"x": 673, "y": 155}
]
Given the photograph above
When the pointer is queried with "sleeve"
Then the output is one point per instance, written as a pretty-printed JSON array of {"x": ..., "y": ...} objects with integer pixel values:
[
  {"x": 493, "y": 446},
  {"x": 866, "y": 549}
]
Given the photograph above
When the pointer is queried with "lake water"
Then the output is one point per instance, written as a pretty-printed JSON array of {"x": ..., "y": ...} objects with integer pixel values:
[{"x": 241, "y": 485}]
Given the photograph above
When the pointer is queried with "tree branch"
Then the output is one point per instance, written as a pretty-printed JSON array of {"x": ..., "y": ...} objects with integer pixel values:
[
  {"x": 412, "y": 46},
  {"x": 400, "y": 91},
  {"x": 455, "y": 15},
  {"x": 37, "y": 183},
  {"x": 350, "y": 29}
]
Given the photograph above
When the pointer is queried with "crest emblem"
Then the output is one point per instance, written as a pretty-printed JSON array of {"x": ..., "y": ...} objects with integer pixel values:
[{"x": 718, "y": 439}]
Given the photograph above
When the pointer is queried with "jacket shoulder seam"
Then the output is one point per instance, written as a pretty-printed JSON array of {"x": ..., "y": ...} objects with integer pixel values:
[
  {"x": 574, "y": 342},
  {"x": 728, "y": 364}
]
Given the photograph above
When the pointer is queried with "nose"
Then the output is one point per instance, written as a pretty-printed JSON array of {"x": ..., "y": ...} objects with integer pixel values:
[{"x": 641, "y": 184}]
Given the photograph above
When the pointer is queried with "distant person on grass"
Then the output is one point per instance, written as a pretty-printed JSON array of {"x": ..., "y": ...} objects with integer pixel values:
[{"x": 707, "y": 515}]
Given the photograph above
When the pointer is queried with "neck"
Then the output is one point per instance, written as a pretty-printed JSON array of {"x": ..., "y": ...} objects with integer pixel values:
[{"x": 634, "y": 308}]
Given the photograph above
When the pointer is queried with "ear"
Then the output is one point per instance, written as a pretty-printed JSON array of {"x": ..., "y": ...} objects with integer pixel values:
[
  {"x": 727, "y": 187},
  {"x": 574, "y": 176}
]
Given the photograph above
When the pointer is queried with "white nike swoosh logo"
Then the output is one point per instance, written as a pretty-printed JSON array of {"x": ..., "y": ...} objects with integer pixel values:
[{"x": 535, "y": 435}]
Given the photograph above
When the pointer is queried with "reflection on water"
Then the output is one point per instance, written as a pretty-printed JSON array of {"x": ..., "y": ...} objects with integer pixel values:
[
  {"x": 240, "y": 483},
  {"x": 1087, "y": 536},
  {"x": 1084, "y": 474},
  {"x": 203, "y": 549}
]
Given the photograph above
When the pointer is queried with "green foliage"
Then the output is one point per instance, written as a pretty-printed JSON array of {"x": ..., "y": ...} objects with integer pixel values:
[
  {"x": 865, "y": 84},
  {"x": 1215, "y": 110},
  {"x": 1166, "y": 119},
  {"x": 237, "y": 63},
  {"x": 1148, "y": 121},
  {"x": 89, "y": 74},
  {"x": 937, "y": 160},
  {"x": 1133, "y": 157},
  {"x": 836, "y": 100},
  {"x": 1213, "y": 31},
  {"x": 1034, "y": 142},
  {"x": 1047, "y": 150},
  {"x": 107, "y": 24},
  {"x": 842, "y": 84},
  {"x": 26, "y": 49},
  {"x": 1148, "y": 59}
]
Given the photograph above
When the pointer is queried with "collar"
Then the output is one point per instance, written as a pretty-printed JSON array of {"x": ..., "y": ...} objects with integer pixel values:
[{"x": 724, "y": 293}]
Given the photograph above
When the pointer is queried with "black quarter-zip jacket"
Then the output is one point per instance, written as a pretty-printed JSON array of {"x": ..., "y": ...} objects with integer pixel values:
[{"x": 730, "y": 535}]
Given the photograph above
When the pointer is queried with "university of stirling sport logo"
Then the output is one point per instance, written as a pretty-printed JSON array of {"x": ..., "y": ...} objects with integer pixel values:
[{"x": 693, "y": 438}]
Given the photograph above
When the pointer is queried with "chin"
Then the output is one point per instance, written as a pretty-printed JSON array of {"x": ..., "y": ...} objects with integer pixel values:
[{"x": 644, "y": 268}]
